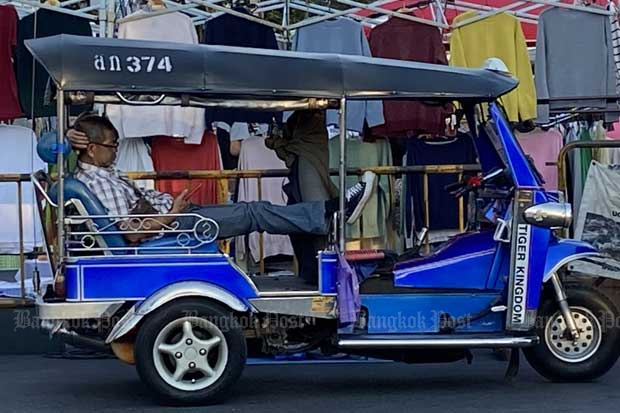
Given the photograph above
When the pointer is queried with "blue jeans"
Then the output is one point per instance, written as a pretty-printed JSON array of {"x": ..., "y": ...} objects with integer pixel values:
[{"x": 246, "y": 217}]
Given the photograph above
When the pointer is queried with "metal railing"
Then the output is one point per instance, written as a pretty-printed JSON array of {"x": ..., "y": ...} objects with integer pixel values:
[
  {"x": 186, "y": 240},
  {"x": 19, "y": 179},
  {"x": 568, "y": 148},
  {"x": 259, "y": 175}
]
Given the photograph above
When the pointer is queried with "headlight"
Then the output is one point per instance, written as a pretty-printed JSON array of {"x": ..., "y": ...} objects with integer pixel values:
[{"x": 549, "y": 215}]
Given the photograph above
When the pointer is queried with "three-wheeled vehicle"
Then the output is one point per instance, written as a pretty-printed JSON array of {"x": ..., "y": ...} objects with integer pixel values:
[{"x": 185, "y": 314}]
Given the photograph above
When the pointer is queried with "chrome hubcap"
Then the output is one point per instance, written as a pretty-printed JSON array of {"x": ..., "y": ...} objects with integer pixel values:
[
  {"x": 190, "y": 353},
  {"x": 562, "y": 345}
]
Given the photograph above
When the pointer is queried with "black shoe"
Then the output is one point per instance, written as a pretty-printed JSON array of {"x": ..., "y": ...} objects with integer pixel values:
[{"x": 358, "y": 195}]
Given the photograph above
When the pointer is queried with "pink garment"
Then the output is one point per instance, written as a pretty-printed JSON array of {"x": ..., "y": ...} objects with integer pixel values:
[
  {"x": 544, "y": 147},
  {"x": 255, "y": 155},
  {"x": 614, "y": 133}
]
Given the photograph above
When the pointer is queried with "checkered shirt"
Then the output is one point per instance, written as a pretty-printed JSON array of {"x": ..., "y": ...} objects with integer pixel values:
[{"x": 118, "y": 194}]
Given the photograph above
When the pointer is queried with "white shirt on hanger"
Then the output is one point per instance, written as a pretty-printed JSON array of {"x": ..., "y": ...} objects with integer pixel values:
[
  {"x": 18, "y": 156},
  {"x": 140, "y": 121}
]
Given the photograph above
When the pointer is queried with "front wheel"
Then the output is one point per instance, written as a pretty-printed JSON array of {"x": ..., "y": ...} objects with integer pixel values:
[
  {"x": 190, "y": 352},
  {"x": 560, "y": 358}
]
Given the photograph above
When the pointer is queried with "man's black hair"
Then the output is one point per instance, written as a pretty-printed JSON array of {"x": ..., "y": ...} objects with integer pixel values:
[{"x": 95, "y": 127}]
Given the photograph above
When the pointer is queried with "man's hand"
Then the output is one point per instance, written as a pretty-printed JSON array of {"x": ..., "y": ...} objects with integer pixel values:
[
  {"x": 180, "y": 203},
  {"x": 78, "y": 140}
]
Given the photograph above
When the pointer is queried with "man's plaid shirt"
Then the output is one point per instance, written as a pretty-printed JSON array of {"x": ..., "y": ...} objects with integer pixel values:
[{"x": 119, "y": 195}]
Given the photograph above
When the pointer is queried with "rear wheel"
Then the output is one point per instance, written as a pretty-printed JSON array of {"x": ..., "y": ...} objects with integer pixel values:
[
  {"x": 560, "y": 358},
  {"x": 190, "y": 352}
]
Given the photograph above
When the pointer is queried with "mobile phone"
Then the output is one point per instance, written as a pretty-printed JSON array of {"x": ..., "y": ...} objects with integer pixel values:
[{"x": 193, "y": 191}]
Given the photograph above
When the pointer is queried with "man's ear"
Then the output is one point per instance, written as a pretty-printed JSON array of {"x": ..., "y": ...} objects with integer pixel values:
[{"x": 90, "y": 150}]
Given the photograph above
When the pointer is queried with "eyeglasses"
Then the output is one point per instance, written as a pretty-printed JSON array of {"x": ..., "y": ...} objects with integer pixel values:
[{"x": 106, "y": 145}]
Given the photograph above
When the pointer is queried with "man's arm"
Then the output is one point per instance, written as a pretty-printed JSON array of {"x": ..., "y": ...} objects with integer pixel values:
[
  {"x": 78, "y": 140},
  {"x": 179, "y": 205}
]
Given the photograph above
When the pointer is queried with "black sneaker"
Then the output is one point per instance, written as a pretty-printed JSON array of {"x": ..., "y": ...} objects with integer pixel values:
[{"x": 358, "y": 195}]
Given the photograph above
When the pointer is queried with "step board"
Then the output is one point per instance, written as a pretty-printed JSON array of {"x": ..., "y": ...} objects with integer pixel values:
[{"x": 377, "y": 341}]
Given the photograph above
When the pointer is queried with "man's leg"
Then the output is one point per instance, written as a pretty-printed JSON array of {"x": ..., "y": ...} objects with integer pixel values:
[{"x": 246, "y": 217}]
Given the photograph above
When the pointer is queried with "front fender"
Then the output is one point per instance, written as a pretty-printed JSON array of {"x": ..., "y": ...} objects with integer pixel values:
[
  {"x": 563, "y": 251},
  {"x": 168, "y": 294}
]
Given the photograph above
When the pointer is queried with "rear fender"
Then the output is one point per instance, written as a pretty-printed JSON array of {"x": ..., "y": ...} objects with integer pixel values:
[
  {"x": 170, "y": 293},
  {"x": 562, "y": 252}
]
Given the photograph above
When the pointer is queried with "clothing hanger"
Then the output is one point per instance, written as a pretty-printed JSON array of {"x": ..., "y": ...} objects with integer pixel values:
[
  {"x": 482, "y": 16},
  {"x": 409, "y": 8},
  {"x": 404, "y": 9},
  {"x": 155, "y": 5}
]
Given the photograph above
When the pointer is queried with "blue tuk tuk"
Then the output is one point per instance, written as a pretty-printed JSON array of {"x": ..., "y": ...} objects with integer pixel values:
[{"x": 185, "y": 314}]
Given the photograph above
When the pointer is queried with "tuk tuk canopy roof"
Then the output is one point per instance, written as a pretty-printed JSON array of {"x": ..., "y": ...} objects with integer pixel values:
[{"x": 106, "y": 66}]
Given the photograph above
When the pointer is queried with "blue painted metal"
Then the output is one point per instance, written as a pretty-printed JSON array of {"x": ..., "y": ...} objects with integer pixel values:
[
  {"x": 172, "y": 242},
  {"x": 328, "y": 272},
  {"x": 500, "y": 270},
  {"x": 464, "y": 262},
  {"x": 562, "y": 251},
  {"x": 420, "y": 313},
  {"x": 518, "y": 165},
  {"x": 539, "y": 244},
  {"x": 135, "y": 278},
  {"x": 488, "y": 155}
]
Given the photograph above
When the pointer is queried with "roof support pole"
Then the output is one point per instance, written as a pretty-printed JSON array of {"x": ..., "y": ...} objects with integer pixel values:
[
  {"x": 342, "y": 176},
  {"x": 286, "y": 17},
  {"x": 60, "y": 163},
  {"x": 103, "y": 18}
]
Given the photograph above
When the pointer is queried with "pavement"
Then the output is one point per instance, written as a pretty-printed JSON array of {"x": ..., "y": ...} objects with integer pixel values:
[{"x": 40, "y": 384}]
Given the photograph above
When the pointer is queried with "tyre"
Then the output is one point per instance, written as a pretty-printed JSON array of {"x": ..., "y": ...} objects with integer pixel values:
[
  {"x": 559, "y": 358},
  {"x": 190, "y": 352}
]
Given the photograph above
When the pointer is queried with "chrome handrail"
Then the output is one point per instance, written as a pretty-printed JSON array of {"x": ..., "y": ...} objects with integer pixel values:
[
  {"x": 41, "y": 190},
  {"x": 204, "y": 231}
]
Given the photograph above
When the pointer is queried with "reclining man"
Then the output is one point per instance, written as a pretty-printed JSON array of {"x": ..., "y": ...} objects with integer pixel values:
[{"x": 120, "y": 196}]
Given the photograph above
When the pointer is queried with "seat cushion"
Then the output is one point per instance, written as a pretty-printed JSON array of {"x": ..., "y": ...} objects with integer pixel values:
[{"x": 75, "y": 189}]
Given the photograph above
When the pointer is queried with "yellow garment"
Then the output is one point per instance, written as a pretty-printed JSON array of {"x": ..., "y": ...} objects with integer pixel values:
[{"x": 497, "y": 36}]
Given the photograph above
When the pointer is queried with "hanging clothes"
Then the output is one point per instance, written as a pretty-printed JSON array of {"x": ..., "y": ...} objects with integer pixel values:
[
  {"x": 171, "y": 154},
  {"x": 572, "y": 134},
  {"x": 342, "y": 36},
  {"x": 374, "y": 221},
  {"x": 48, "y": 23},
  {"x": 443, "y": 208},
  {"x": 255, "y": 155},
  {"x": 497, "y": 36},
  {"x": 229, "y": 30},
  {"x": 9, "y": 102},
  {"x": 586, "y": 153},
  {"x": 544, "y": 148},
  {"x": 417, "y": 42},
  {"x": 304, "y": 138},
  {"x": 133, "y": 156},
  {"x": 614, "y": 133},
  {"x": 18, "y": 156},
  {"x": 575, "y": 62},
  {"x": 599, "y": 133},
  {"x": 615, "y": 40},
  {"x": 140, "y": 121}
]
